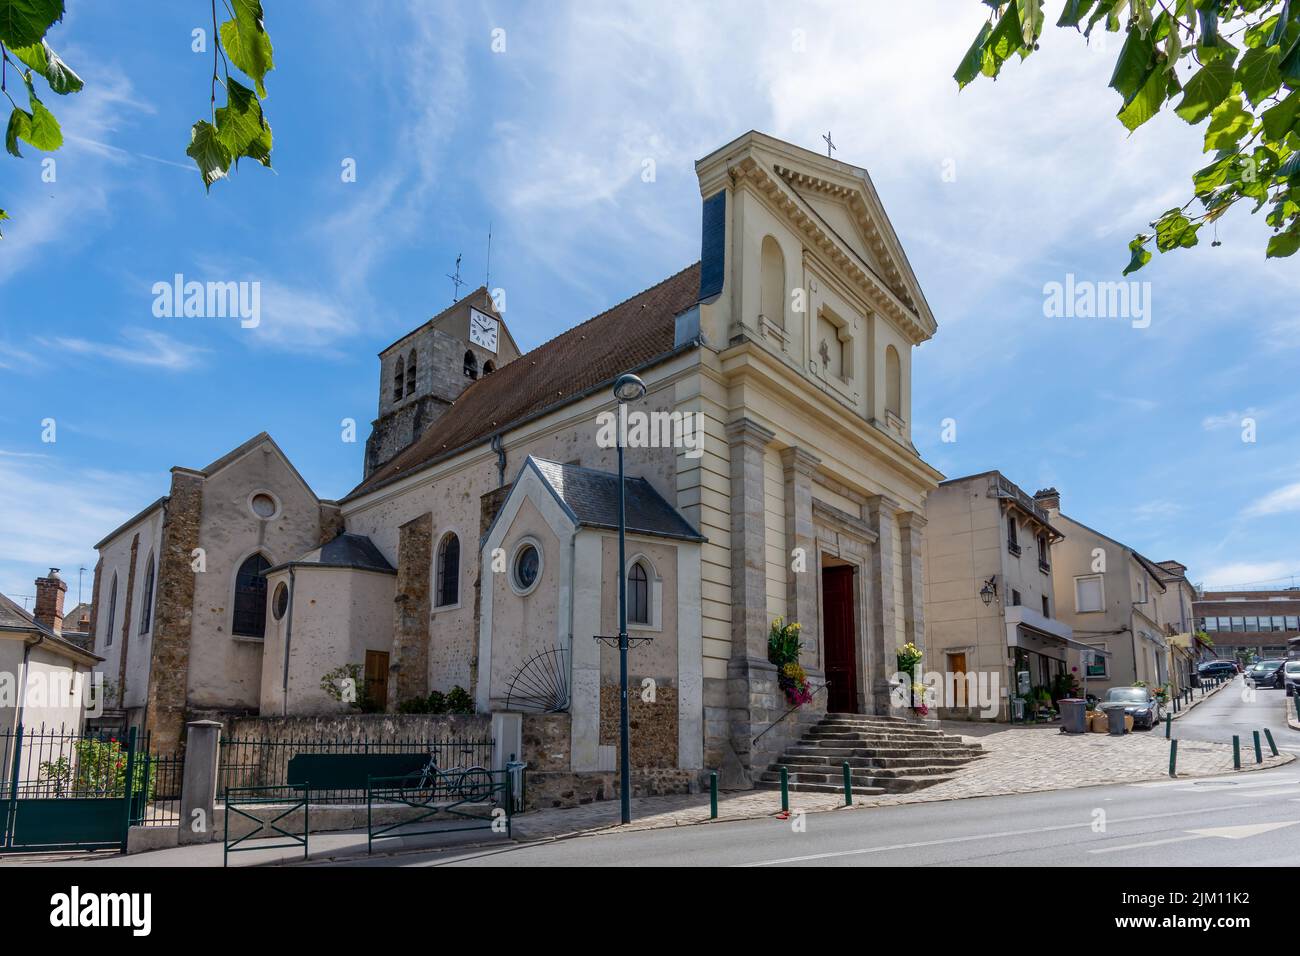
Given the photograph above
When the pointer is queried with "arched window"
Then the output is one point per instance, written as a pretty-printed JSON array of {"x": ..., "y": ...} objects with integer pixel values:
[
  {"x": 489, "y": 367},
  {"x": 410, "y": 374},
  {"x": 772, "y": 270},
  {"x": 146, "y": 597},
  {"x": 638, "y": 595},
  {"x": 447, "y": 587},
  {"x": 893, "y": 382},
  {"x": 399, "y": 373},
  {"x": 112, "y": 612},
  {"x": 250, "y": 598},
  {"x": 471, "y": 364}
]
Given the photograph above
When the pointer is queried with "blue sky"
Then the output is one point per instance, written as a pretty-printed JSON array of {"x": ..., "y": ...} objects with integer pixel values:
[{"x": 1140, "y": 429}]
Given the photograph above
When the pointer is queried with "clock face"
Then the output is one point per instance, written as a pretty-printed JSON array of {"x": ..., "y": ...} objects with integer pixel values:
[{"x": 483, "y": 330}]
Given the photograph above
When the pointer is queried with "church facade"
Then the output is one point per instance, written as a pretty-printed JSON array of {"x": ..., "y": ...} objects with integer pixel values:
[{"x": 480, "y": 548}]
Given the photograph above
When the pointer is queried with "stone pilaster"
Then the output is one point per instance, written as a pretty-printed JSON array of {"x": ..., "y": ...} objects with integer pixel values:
[
  {"x": 125, "y": 636},
  {"x": 331, "y": 522},
  {"x": 169, "y": 655},
  {"x": 752, "y": 693},
  {"x": 881, "y": 624},
  {"x": 801, "y": 588},
  {"x": 911, "y": 529},
  {"x": 409, "y": 667}
]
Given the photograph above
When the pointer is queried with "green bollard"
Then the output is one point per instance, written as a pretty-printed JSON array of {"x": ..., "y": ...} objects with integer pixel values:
[
  {"x": 1259, "y": 753},
  {"x": 1236, "y": 752},
  {"x": 713, "y": 795},
  {"x": 1271, "y": 745},
  {"x": 1169, "y": 720},
  {"x": 1173, "y": 758},
  {"x": 785, "y": 790},
  {"x": 848, "y": 786}
]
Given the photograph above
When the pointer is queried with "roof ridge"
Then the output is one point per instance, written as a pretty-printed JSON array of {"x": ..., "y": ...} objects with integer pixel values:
[{"x": 580, "y": 325}]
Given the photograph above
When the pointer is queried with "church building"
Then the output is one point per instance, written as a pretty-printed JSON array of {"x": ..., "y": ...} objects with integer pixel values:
[{"x": 480, "y": 547}]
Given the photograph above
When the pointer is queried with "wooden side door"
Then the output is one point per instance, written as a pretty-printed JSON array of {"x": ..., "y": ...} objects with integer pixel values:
[
  {"x": 838, "y": 632},
  {"x": 376, "y": 676},
  {"x": 957, "y": 667}
]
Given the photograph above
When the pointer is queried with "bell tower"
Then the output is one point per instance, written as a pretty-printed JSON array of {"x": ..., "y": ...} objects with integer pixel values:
[{"x": 426, "y": 370}]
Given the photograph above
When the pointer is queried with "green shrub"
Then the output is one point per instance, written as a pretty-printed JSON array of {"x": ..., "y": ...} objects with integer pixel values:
[
  {"x": 436, "y": 702},
  {"x": 459, "y": 701},
  {"x": 414, "y": 705}
]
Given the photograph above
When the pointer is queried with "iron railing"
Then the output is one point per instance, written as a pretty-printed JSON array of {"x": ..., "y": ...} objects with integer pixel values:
[{"x": 258, "y": 762}]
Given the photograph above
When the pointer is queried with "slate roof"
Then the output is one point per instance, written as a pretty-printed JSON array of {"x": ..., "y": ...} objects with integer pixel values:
[
  {"x": 591, "y": 497},
  {"x": 14, "y": 618},
  {"x": 348, "y": 550},
  {"x": 629, "y": 336}
]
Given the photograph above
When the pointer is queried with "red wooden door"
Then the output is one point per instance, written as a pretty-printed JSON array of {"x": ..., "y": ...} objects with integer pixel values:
[{"x": 838, "y": 629}]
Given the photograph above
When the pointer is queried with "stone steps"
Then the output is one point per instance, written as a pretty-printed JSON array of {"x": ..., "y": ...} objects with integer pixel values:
[{"x": 885, "y": 755}]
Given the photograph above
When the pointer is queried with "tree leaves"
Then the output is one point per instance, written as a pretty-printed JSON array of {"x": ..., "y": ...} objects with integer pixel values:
[
  {"x": 1205, "y": 90},
  {"x": 247, "y": 43},
  {"x": 48, "y": 64},
  {"x": 239, "y": 128},
  {"x": 39, "y": 127},
  {"x": 969, "y": 68},
  {"x": 208, "y": 152},
  {"x": 24, "y": 22},
  {"x": 1141, "y": 255},
  {"x": 1259, "y": 74},
  {"x": 1229, "y": 122}
]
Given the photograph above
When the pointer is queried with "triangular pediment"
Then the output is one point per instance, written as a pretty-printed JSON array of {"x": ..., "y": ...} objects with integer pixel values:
[{"x": 836, "y": 208}]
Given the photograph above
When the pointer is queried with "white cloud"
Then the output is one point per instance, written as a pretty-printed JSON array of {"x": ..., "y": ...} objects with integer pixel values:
[
  {"x": 1231, "y": 419},
  {"x": 300, "y": 320},
  {"x": 1278, "y": 501},
  {"x": 144, "y": 347},
  {"x": 1264, "y": 574},
  {"x": 52, "y": 512}
]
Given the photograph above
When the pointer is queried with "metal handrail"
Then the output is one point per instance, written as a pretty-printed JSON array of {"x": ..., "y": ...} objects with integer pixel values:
[{"x": 788, "y": 713}]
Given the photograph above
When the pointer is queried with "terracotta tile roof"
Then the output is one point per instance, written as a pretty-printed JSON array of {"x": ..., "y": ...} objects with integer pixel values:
[{"x": 625, "y": 337}]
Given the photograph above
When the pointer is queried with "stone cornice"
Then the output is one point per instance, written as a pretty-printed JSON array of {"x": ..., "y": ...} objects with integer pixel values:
[
  {"x": 863, "y": 278},
  {"x": 842, "y": 521},
  {"x": 800, "y": 461},
  {"x": 748, "y": 432}
]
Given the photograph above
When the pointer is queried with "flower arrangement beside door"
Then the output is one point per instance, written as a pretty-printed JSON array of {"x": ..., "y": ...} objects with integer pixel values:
[{"x": 783, "y": 651}]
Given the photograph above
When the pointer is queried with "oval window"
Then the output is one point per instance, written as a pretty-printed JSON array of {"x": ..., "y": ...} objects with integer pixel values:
[
  {"x": 527, "y": 563},
  {"x": 263, "y": 505},
  {"x": 280, "y": 602}
]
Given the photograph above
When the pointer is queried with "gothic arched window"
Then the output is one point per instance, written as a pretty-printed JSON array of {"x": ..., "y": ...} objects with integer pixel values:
[
  {"x": 447, "y": 586},
  {"x": 638, "y": 595},
  {"x": 410, "y": 374},
  {"x": 146, "y": 598},
  {"x": 398, "y": 377},
  {"x": 112, "y": 613},
  {"x": 250, "y": 598},
  {"x": 471, "y": 364},
  {"x": 489, "y": 367}
]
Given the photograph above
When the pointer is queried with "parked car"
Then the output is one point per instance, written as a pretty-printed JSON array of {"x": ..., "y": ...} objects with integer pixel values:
[
  {"x": 1138, "y": 703},
  {"x": 1218, "y": 669},
  {"x": 1266, "y": 673},
  {"x": 1291, "y": 676}
]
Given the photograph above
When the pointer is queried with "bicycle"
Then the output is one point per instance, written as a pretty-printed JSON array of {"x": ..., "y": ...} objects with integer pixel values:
[{"x": 471, "y": 784}]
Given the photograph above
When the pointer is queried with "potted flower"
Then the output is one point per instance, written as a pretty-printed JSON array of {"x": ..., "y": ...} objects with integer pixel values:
[{"x": 908, "y": 656}]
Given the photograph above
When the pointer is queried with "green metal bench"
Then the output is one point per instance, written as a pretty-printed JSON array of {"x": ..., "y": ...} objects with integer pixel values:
[{"x": 351, "y": 771}]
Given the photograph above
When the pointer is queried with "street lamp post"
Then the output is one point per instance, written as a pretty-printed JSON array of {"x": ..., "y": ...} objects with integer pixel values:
[{"x": 627, "y": 388}]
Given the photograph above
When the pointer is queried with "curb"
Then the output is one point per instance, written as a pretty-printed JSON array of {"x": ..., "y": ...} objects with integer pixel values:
[
  {"x": 1289, "y": 705},
  {"x": 1200, "y": 700}
]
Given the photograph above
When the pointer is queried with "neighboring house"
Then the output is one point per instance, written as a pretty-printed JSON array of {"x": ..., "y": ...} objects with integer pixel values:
[
  {"x": 43, "y": 675},
  {"x": 1250, "y": 625},
  {"x": 1110, "y": 595},
  {"x": 1176, "y": 603},
  {"x": 787, "y": 486},
  {"x": 76, "y": 626},
  {"x": 990, "y": 603}
]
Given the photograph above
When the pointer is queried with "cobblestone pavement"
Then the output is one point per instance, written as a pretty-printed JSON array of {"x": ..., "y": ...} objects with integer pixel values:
[{"x": 1019, "y": 760}]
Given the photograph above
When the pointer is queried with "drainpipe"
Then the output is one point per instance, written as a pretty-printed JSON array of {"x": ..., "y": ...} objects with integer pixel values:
[
  {"x": 288, "y": 637},
  {"x": 499, "y": 447}
]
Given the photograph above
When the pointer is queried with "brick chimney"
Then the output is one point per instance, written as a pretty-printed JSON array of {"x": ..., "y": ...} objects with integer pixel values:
[
  {"x": 49, "y": 601},
  {"x": 1048, "y": 498}
]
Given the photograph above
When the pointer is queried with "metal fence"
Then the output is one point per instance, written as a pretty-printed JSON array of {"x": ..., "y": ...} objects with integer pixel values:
[
  {"x": 162, "y": 808},
  {"x": 254, "y": 762},
  {"x": 59, "y": 762}
]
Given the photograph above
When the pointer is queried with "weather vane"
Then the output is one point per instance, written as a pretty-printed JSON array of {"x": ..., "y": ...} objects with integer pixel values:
[{"x": 456, "y": 282}]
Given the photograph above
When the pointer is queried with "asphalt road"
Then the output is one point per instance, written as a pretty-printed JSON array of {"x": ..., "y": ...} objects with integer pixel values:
[{"x": 1240, "y": 819}]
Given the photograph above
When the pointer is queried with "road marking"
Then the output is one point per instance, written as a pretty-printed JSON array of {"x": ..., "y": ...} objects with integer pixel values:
[
  {"x": 993, "y": 836},
  {"x": 1226, "y": 833}
]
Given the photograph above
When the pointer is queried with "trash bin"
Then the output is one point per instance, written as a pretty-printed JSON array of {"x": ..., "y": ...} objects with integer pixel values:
[
  {"x": 1115, "y": 719},
  {"x": 1074, "y": 712}
]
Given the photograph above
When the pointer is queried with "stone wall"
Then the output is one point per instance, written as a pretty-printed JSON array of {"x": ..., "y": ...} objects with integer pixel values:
[
  {"x": 653, "y": 726},
  {"x": 165, "y": 710},
  {"x": 361, "y": 727},
  {"x": 409, "y": 668},
  {"x": 546, "y": 742}
]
